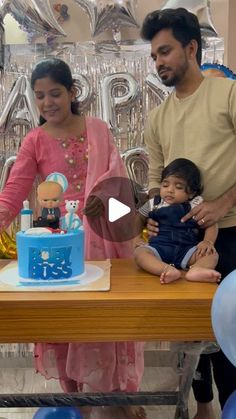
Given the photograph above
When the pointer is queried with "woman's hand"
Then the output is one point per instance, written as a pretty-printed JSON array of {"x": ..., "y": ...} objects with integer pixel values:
[
  {"x": 94, "y": 207},
  {"x": 152, "y": 227},
  {"x": 207, "y": 213}
]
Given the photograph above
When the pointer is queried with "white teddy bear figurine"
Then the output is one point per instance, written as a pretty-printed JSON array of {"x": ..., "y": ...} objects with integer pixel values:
[{"x": 71, "y": 220}]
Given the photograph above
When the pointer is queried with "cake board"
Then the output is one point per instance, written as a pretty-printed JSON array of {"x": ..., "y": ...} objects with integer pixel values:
[{"x": 95, "y": 278}]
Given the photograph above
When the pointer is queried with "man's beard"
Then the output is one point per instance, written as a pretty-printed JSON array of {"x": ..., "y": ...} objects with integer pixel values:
[
  {"x": 172, "y": 81},
  {"x": 177, "y": 77}
]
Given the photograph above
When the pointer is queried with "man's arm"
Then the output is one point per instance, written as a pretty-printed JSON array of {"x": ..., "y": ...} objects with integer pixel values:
[
  {"x": 210, "y": 212},
  {"x": 229, "y": 198},
  {"x": 155, "y": 155}
]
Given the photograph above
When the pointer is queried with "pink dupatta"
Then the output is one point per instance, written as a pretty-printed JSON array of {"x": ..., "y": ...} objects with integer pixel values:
[{"x": 104, "y": 162}]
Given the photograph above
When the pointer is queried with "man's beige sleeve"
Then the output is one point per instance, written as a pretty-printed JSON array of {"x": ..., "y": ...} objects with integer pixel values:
[
  {"x": 232, "y": 105},
  {"x": 156, "y": 159}
]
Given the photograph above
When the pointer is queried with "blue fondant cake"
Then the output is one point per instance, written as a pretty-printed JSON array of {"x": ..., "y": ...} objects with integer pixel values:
[{"x": 50, "y": 257}]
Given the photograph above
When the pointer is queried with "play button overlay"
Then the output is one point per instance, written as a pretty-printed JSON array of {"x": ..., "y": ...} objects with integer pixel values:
[
  {"x": 116, "y": 210},
  {"x": 118, "y": 222}
]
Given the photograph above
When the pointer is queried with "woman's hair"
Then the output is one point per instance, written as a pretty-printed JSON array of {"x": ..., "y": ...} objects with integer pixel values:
[
  {"x": 185, "y": 169},
  {"x": 184, "y": 25},
  {"x": 58, "y": 71}
]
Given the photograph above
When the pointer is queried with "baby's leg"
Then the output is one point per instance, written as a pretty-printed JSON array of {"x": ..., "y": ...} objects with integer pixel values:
[
  {"x": 203, "y": 270},
  {"x": 145, "y": 258}
]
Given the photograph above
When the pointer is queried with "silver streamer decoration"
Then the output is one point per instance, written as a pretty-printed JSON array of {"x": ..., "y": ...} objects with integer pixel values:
[
  {"x": 20, "y": 108},
  {"x": 2, "y": 43},
  {"x": 33, "y": 16},
  {"x": 109, "y": 14},
  {"x": 95, "y": 62},
  {"x": 201, "y": 8},
  {"x": 154, "y": 83},
  {"x": 84, "y": 93},
  {"x": 117, "y": 91},
  {"x": 16, "y": 350}
]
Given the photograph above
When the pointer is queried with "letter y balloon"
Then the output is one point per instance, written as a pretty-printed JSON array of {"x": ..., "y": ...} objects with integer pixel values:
[{"x": 109, "y": 14}]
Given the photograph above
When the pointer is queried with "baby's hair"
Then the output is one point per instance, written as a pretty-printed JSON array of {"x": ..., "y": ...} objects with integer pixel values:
[
  {"x": 188, "y": 171},
  {"x": 58, "y": 71}
]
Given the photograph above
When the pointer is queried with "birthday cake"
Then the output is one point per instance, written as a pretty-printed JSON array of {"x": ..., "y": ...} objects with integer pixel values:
[
  {"x": 53, "y": 250},
  {"x": 50, "y": 257}
]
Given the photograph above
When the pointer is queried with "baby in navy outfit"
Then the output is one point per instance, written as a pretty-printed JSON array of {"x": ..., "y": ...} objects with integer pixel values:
[{"x": 178, "y": 245}]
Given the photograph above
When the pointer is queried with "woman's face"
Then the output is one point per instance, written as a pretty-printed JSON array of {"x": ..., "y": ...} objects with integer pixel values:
[{"x": 53, "y": 100}]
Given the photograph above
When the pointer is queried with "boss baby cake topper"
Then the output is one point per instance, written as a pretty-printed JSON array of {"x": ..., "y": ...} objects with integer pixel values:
[{"x": 50, "y": 195}]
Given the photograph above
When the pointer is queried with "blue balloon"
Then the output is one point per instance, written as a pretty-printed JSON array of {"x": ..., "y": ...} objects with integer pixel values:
[
  {"x": 229, "y": 411},
  {"x": 57, "y": 413},
  {"x": 223, "y": 316},
  {"x": 225, "y": 70}
]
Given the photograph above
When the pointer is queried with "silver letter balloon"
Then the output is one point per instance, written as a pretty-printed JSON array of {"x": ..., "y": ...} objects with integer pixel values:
[
  {"x": 33, "y": 16},
  {"x": 109, "y": 14},
  {"x": 118, "y": 90},
  {"x": 201, "y": 8}
]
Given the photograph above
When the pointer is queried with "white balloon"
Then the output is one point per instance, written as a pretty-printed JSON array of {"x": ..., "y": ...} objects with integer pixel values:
[
  {"x": 109, "y": 14},
  {"x": 201, "y": 8}
]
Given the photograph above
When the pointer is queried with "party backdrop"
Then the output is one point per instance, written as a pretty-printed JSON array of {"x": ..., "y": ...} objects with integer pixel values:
[{"x": 114, "y": 75}]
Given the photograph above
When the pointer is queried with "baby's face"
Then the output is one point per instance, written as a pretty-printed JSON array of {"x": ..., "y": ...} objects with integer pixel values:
[
  {"x": 49, "y": 195},
  {"x": 173, "y": 190},
  {"x": 52, "y": 202}
]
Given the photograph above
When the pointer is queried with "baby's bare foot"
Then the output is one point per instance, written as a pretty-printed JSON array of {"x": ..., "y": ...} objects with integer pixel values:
[
  {"x": 199, "y": 274},
  {"x": 169, "y": 274}
]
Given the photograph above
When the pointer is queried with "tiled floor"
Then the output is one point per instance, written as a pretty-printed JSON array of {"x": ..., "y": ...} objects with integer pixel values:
[{"x": 158, "y": 377}]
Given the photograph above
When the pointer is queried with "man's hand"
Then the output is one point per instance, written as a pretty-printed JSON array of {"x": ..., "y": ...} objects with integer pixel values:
[
  {"x": 152, "y": 227},
  {"x": 94, "y": 207},
  {"x": 208, "y": 212}
]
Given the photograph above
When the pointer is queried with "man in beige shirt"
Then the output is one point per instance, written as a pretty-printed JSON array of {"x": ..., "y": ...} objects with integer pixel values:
[{"x": 197, "y": 121}]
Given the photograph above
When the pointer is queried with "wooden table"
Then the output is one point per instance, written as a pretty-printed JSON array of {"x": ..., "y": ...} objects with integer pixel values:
[{"x": 137, "y": 308}]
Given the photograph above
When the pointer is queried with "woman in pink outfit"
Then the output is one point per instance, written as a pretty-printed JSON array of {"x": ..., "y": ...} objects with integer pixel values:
[{"x": 83, "y": 150}]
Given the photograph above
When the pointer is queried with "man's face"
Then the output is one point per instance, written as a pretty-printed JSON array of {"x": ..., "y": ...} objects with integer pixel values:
[{"x": 170, "y": 56}]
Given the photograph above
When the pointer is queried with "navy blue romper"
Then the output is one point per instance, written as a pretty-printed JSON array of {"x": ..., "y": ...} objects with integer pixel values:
[{"x": 175, "y": 239}]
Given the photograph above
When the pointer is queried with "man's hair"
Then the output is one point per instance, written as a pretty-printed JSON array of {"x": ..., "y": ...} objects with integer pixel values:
[
  {"x": 188, "y": 171},
  {"x": 184, "y": 25}
]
